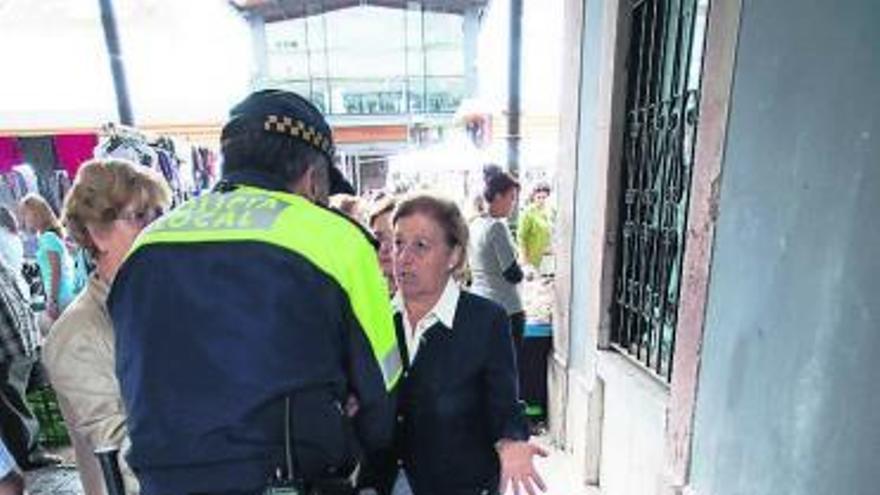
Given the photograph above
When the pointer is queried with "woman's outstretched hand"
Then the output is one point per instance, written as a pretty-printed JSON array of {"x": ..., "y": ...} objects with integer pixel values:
[{"x": 517, "y": 467}]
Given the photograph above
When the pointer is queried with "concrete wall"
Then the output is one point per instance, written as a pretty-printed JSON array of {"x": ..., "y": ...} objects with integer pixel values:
[
  {"x": 633, "y": 428},
  {"x": 787, "y": 400},
  {"x": 588, "y": 207},
  {"x": 566, "y": 173},
  {"x": 614, "y": 412},
  {"x": 572, "y": 382}
]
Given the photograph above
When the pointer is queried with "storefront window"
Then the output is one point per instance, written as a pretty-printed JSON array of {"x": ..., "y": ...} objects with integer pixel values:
[{"x": 418, "y": 68}]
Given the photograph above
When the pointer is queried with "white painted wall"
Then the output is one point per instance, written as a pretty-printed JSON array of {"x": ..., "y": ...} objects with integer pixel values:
[{"x": 632, "y": 429}]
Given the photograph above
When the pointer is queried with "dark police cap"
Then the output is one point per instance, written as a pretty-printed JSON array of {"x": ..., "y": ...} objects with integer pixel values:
[{"x": 287, "y": 114}]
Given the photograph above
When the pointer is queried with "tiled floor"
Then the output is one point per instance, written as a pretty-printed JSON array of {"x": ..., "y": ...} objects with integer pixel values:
[
  {"x": 557, "y": 471},
  {"x": 54, "y": 481},
  {"x": 60, "y": 480}
]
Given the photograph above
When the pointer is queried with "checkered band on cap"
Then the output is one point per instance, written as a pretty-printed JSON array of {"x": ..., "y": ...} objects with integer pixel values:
[{"x": 298, "y": 129}]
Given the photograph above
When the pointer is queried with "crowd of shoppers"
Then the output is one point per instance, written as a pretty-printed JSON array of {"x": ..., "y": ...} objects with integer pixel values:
[{"x": 278, "y": 331}]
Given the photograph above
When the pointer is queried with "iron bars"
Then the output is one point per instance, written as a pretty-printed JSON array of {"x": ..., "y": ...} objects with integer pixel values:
[{"x": 663, "y": 72}]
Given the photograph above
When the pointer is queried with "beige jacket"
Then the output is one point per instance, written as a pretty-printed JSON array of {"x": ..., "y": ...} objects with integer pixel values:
[{"x": 79, "y": 358}]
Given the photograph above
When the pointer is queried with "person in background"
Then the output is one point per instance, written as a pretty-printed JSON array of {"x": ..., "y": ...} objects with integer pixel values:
[
  {"x": 56, "y": 264},
  {"x": 11, "y": 481},
  {"x": 495, "y": 271},
  {"x": 460, "y": 427},
  {"x": 380, "y": 225},
  {"x": 349, "y": 205},
  {"x": 11, "y": 246},
  {"x": 18, "y": 356},
  {"x": 109, "y": 204},
  {"x": 535, "y": 227}
]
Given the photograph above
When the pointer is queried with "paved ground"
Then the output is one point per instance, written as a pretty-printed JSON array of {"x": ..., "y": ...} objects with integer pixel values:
[
  {"x": 557, "y": 470},
  {"x": 62, "y": 480}
]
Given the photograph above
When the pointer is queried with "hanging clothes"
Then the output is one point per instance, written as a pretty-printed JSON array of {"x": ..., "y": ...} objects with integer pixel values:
[
  {"x": 10, "y": 154},
  {"x": 63, "y": 183},
  {"x": 204, "y": 168},
  {"x": 7, "y": 198},
  {"x": 18, "y": 184},
  {"x": 74, "y": 149},
  {"x": 56, "y": 189},
  {"x": 25, "y": 179},
  {"x": 128, "y": 148},
  {"x": 39, "y": 153}
]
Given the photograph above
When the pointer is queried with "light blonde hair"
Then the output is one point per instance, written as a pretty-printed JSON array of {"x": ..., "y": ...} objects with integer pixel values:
[
  {"x": 102, "y": 189},
  {"x": 347, "y": 204},
  {"x": 381, "y": 207},
  {"x": 42, "y": 212}
]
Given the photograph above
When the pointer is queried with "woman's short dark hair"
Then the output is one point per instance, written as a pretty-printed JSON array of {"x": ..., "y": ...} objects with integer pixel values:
[
  {"x": 443, "y": 211},
  {"x": 7, "y": 220},
  {"x": 272, "y": 154},
  {"x": 539, "y": 187},
  {"x": 496, "y": 182}
]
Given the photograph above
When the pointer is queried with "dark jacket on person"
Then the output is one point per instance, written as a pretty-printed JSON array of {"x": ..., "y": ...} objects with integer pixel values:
[
  {"x": 214, "y": 331},
  {"x": 455, "y": 401}
]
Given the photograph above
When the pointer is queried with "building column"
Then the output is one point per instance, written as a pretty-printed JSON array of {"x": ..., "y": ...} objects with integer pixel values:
[
  {"x": 117, "y": 67},
  {"x": 259, "y": 50},
  {"x": 715, "y": 99},
  {"x": 566, "y": 197}
]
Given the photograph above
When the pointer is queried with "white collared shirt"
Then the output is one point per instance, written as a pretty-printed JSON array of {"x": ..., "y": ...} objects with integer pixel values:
[{"x": 443, "y": 312}]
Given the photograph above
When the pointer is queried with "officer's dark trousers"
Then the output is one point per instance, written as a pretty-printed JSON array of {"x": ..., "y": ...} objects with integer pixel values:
[{"x": 18, "y": 425}]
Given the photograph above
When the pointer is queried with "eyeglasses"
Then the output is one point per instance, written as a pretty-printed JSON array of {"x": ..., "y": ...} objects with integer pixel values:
[
  {"x": 418, "y": 247},
  {"x": 141, "y": 217}
]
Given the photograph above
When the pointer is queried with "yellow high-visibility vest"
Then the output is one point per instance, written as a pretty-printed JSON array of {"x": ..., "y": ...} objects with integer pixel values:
[{"x": 327, "y": 240}]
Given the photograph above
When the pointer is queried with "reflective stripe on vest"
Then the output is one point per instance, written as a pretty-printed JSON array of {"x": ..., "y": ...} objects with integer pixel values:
[{"x": 328, "y": 241}]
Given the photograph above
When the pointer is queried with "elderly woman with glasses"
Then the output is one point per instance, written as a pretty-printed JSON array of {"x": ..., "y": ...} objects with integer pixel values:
[
  {"x": 109, "y": 204},
  {"x": 460, "y": 428}
]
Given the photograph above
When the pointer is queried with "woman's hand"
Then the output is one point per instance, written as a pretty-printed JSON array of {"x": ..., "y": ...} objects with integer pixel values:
[{"x": 517, "y": 467}]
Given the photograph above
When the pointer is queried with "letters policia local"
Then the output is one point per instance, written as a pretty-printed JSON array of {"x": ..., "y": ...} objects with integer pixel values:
[{"x": 229, "y": 211}]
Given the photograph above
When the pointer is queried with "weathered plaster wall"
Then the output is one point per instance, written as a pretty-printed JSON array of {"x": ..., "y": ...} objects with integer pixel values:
[
  {"x": 634, "y": 418},
  {"x": 587, "y": 204},
  {"x": 565, "y": 204},
  {"x": 787, "y": 399},
  {"x": 586, "y": 221}
]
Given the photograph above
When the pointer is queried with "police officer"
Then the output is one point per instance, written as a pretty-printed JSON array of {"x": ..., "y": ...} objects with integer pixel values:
[{"x": 253, "y": 315}]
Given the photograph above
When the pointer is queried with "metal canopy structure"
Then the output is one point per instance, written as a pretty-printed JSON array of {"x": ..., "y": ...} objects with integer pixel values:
[{"x": 279, "y": 10}]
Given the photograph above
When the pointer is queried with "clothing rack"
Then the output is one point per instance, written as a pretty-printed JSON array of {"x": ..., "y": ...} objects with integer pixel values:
[
  {"x": 188, "y": 170},
  {"x": 17, "y": 183}
]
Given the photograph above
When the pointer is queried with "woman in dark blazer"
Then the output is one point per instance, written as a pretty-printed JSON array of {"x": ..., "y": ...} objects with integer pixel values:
[{"x": 460, "y": 428}]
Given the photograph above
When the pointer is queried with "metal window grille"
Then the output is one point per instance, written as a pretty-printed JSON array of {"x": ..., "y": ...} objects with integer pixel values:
[{"x": 663, "y": 73}]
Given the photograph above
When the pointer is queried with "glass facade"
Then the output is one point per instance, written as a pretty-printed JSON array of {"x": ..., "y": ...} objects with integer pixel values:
[{"x": 371, "y": 60}]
